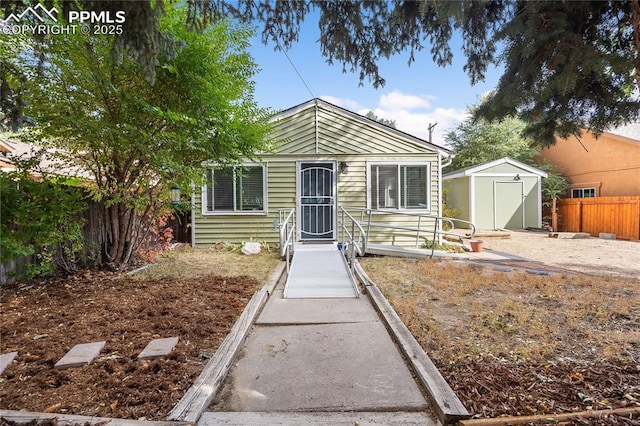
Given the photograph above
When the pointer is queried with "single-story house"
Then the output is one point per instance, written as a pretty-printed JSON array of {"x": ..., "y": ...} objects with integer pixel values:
[
  {"x": 500, "y": 194},
  {"x": 327, "y": 157},
  {"x": 604, "y": 167}
]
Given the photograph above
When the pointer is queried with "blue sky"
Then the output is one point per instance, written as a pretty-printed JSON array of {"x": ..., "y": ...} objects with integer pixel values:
[{"x": 413, "y": 96}]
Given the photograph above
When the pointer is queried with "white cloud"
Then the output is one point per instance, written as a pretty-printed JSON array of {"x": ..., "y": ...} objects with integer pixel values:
[
  {"x": 413, "y": 114},
  {"x": 398, "y": 100},
  {"x": 349, "y": 104}
]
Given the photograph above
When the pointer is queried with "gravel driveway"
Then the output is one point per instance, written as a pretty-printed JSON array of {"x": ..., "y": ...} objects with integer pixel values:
[{"x": 590, "y": 255}]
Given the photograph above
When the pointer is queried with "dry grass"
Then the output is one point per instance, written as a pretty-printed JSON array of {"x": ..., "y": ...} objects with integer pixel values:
[
  {"x": 460, "y": 313},
  {"x": 222, "y": 260}
]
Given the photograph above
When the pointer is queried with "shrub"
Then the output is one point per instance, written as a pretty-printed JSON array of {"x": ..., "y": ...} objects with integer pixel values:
[{"x": 40, "y": 218}]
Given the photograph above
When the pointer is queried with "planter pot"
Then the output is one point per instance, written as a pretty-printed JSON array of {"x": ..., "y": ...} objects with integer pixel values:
[{"x": 476, "y": 245}]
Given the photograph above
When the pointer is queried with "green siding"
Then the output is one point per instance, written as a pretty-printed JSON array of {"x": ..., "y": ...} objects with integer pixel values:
[
  {"x": 339, "y": 138},
  {"x": 483, "y": 202},
  {"x": 503, "y": 168},
  {"x": 458, "y": 197}
]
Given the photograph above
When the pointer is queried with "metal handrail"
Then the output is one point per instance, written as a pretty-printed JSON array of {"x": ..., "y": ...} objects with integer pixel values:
[
  {"x": 359, "y": 244},
  {"x": 419, "y": 229},
  {"x": 286, "y": 232}
]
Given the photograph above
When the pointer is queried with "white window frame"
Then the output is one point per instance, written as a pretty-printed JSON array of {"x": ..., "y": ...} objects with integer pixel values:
[
  {"x": 583, "y": 189},
  {"x": 400, "y": 191},
  {"x": 265, "y": 208}
]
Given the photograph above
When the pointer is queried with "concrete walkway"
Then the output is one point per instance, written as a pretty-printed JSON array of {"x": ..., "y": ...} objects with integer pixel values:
[{"x": 319, "y": 361}]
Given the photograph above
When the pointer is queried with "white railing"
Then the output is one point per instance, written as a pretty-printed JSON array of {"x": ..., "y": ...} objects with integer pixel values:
[
  {"x": 286, "y": 231},
  {"x": 365, "y": 226}
]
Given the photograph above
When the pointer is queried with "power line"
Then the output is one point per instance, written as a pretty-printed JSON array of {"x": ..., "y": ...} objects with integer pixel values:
[{"x": 294, "y": 67}]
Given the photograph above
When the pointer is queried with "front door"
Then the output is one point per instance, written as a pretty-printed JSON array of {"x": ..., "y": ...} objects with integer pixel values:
[{"x": 317, "y": 201}]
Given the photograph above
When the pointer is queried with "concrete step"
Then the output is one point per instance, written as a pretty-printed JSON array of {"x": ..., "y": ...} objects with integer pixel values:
[{"x": 317, "y": 418}]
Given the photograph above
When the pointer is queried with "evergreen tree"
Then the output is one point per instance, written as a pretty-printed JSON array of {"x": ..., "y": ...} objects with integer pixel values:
[{"x": 569, "y": 66}]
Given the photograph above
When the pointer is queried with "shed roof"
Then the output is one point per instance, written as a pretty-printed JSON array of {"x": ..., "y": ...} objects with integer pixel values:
[
  {"x": 320, "y": 103},
  {"x": 468, "y": 171}
]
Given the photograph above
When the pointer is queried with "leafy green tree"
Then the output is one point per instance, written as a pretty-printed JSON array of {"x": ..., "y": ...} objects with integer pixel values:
[
  {"x": 134, "y": 139},
  {"x": 372, "y": 116},
  {"x": 40, "y": 218},
  {"x": 480, "y": 141}
]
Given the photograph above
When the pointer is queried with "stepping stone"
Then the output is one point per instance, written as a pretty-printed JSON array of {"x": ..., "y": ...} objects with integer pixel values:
[
  {"x": 158, "y": 348},
  {"x": 79, "y": 355},
  {"x": 6, "y": 359}
]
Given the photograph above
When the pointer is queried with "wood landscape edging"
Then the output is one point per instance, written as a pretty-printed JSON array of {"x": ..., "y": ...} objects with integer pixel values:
[
  {"x": 27, "y": 417},
  {"x": 555, "y": 418},
  {"x": 448, "y": 406},
  {"x": 208, "y": 384}
]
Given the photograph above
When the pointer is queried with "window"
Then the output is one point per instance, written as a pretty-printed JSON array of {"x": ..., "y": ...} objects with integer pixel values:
[
  {"x": 399, "y": 186},
  {"x": 234, "y": 189},
  {"x": 583, "y": 193}
]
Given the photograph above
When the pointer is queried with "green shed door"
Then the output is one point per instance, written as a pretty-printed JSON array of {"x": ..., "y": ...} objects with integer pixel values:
[{"x": 508, "y": 205}]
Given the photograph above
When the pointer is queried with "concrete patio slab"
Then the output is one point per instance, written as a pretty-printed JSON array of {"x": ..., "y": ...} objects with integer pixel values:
[
  {"x": 317, "y": 419},
  {"x": 158, "y": 348},
  {"x": 79, "y": 355},
  {"x": 328, "y": 367},
  {"x": 315, "y": 311}
]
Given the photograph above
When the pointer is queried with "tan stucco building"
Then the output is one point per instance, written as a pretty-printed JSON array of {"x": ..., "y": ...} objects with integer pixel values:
[{"x": 602, "y": 167}]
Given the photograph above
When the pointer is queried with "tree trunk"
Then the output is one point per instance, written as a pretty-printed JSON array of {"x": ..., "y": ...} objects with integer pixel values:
[{"x": 121, "y": 235}]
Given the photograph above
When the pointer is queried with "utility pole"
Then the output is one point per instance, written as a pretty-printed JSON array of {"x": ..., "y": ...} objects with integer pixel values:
[{"x": 431, "y": 127}]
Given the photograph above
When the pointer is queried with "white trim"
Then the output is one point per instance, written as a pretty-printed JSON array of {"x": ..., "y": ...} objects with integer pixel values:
[
  {"x": 480, "y": 167},
  {"x": 472, "y": 199},
  {"x": 539, "y": 206},
  {"x": 334, "y": 185},
  {"x": 506, "y": 174},
  {"x": 265, "y": 207},
  {"x": 583, "y": 188},
  {"x": 429, "y": 194}
]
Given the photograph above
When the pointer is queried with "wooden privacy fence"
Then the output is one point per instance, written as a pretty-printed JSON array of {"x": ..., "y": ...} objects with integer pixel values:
[{"x": 614, "y": 215}]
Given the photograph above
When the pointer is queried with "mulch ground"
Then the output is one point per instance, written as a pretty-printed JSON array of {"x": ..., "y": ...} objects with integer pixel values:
[{"x": 44, "y": 321}]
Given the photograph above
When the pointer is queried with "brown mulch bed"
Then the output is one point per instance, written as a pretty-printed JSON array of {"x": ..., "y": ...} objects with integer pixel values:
[
  {"x": 494, "y": 390},
  {"x": 44, "y": 321}
]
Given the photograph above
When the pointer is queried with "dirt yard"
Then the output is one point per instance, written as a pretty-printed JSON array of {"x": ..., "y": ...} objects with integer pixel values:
[
  {"x": 509, "y": 343},
  {"x": 516, "y": 343},
  {"x": 590, "y": 255},
  {"x": 43, "y": 320}
]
